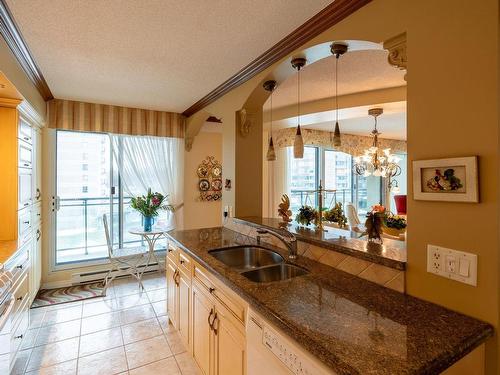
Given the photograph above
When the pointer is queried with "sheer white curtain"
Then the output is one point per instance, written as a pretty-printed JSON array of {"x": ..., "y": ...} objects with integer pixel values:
[
  {"x": 278, "y": 180},
  {"x": 151, "y": 162}
]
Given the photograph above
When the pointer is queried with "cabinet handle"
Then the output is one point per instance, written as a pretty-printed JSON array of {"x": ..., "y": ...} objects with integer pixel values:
[
  {"x": 26, "y": 222},
  {"x": 182, "y": 261},
  {"x": 20, "y": 266},
  {"x": 20, "y": 298},
  {"x": 38, "y": 194},
  {"x": 211, "y": 290},
  {"x": 26, "y": 138},
  {"x": 213, "y": 324},
  {"x": 26, "y": 164},
  {"x": 38, "y": 234},
  {"x": 209, "y": 316},
  {"x": 26, "y": 204},
  {"x": 170, "y": 250},
  {"x": 19, "y": 337},
  {"x": 178, "y": 278}
]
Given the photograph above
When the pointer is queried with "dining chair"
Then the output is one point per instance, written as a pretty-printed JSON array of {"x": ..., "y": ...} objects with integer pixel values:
[
  {"x": 126, "y": 259},
  {"x": 352, "y": 216}
]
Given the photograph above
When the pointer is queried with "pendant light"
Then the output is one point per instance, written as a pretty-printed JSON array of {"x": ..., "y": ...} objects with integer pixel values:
[
  {"x": 271, "y": 154},
  {"x": 298, "y": 144},
  {"x": 337, "y": 49}
]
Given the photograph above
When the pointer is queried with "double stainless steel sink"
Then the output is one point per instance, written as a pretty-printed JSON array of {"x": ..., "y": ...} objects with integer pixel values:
[{"x": 257, "y": 263}]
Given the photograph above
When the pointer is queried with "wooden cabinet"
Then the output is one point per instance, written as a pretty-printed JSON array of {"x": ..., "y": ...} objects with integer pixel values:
[
  {"x": 229, "y": 343},
  {"x": 172, "y": 295},
  {"x": 203, "y": 313},
  {"x": 209, "y": 317}
]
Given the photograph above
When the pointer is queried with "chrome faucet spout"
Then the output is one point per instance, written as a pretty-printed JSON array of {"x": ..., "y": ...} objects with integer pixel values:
[{"x": 287, "y": 238}]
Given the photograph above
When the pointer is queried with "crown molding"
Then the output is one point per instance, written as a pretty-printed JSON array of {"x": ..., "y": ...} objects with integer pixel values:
[
  {"x": 17, "y": 45},
  {"x": 329, "y": 16},
  {"x": 9, "y": 102}
]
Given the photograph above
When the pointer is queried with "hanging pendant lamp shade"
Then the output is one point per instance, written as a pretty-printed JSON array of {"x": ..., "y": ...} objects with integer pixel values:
[
  {"x": 337, "y": 49},
  {"x": 271, "y": 154},
  {"x": 298, "y": 144}
]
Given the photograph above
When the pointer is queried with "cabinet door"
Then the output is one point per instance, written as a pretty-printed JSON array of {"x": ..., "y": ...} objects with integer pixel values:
[
  {"x": 172, "y": 293},
  {"x": 202, "y": 333},
  {"x": 37, "y": 165},
  {"x": 184, "y": 290},
  {"x": 36, "y": 263},
  {"x": 230, "y": 346}
]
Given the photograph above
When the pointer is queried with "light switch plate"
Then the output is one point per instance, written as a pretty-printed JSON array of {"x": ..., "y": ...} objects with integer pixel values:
[{"x": 452, "y": 264}]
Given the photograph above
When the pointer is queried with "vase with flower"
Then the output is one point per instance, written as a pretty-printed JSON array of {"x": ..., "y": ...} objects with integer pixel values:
[
  {"x": 374, "y": 222},
  {"x": 149, "y": 206}
]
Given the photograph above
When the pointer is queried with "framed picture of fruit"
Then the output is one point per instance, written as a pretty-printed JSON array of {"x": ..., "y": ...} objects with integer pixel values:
[
  {"x": 449, "y": 180},
  {"x": 209, "y": 174}
]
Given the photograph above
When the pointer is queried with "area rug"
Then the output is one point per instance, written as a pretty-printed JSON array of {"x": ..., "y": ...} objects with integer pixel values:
[{"x": 49, "y": 297}]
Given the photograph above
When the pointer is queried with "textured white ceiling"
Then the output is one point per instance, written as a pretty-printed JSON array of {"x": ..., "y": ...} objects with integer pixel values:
[{"x": 158, "y": 54}]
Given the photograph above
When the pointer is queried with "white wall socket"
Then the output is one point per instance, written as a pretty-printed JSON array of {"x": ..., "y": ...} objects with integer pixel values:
[{"x": 453, "y": 264}]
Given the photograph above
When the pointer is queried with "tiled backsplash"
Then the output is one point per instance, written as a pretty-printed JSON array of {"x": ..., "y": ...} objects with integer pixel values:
[{"x": 382, "y": 275}]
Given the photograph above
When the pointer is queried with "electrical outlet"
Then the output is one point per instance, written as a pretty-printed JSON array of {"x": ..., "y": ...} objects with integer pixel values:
[
  {"x": 434, "y": 259},
  {"x": 453, "y": 264}
]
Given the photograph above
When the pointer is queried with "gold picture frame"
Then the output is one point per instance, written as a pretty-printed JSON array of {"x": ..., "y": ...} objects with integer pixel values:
[{"x": 446, "y": 180}]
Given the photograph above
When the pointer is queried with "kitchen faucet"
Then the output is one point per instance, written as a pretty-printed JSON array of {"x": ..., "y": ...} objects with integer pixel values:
[{"x": 287, "y": 238}]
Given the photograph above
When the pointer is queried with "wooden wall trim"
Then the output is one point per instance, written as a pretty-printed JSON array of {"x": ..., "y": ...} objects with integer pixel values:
[
  {"x": 17, "y": 45},
  {"x": 329, "y": 16}
]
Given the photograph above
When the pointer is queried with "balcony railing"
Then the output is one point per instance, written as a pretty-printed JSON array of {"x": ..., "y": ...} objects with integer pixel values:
[{"x": 80, "y": 229}]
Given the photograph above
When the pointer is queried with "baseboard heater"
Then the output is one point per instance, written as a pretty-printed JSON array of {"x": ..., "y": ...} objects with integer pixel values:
[{"x": 93, "y": 276}]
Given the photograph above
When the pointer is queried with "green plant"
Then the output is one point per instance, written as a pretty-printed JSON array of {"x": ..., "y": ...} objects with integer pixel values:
[
  {"x": 394, "y": 221},
  {"x": 150, "y": 204},
  {"x": 336, "y": 215},
  {"x": 307, "y": 215}
]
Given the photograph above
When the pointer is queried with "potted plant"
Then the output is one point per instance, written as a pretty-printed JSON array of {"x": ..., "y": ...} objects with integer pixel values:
[
  {"x": 149, "y": 205},
  {"x": 307, "y": 215},
  {"x": 394, "y": 225},
  {"x": 336, "y": 215}
]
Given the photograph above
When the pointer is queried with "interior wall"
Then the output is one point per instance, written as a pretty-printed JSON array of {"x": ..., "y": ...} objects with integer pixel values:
[
  {"x": 199, "y": 214},
  {"x": 452, "y": 111}
]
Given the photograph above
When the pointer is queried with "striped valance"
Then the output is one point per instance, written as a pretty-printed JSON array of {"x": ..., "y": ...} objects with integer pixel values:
[{"x": 80, "y": 116}]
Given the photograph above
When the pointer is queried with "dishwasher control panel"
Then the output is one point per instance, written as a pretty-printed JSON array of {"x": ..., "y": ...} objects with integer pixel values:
[{"x": 287, "y": 354}]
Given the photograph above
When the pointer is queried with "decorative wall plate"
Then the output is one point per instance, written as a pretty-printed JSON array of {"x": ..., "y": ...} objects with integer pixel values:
[
  {"x": 210, "y": 183},
  {"x": 216, "y": 171},
  {"x": 217, "y": 184},
  {"x": 203, "y": 171},
  {"x": 204, "y": 185}
]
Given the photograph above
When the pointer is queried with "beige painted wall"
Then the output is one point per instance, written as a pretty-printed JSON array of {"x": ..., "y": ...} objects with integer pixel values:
[
  {"x": 199, "y": 214},
  {"x": 452, "y": 49}
]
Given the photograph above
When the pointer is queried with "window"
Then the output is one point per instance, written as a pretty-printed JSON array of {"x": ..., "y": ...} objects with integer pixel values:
[
  {"x": 79, "y": 229},
  {"x": 334, "y": 170}
]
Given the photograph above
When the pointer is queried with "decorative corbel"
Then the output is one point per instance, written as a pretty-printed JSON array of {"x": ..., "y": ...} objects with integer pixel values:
[
  {"x": 245, "y": 122},
  {"x": 397, "y": 51},
  {"x": 188, "y": 143}
]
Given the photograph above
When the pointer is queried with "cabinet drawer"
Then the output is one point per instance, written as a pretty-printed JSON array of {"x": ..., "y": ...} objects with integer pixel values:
[
  {"x": 25, "y": 181},
  {"x": 221, "y": 294},
  {"x": 185, "y": 264},
  {"x": 25, "y": 155},
  {"x": 172, "y": 253},
  {"x": 23, "y": 223},
  {"x": 20, "y": 328},
  {"x": 21, "y": 295},
  {"x": 18, "y": 263},
  {"x": 25, "y": 132}
]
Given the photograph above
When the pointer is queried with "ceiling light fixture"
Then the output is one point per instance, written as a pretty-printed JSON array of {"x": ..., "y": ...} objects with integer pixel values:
[
  {"x": 298, "y": 144},
  {"x": 337, "y": 49},
  {"x": 271, "y": 154},
  {"x": 374, "y": 161}
]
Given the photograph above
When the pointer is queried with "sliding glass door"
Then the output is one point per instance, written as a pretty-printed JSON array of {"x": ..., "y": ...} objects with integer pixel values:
[
  {"x": 88, "y": 185},
  {"x": 83, "y": 195}
]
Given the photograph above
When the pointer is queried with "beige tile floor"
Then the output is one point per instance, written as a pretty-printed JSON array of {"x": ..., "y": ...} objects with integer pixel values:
[{"x": 126, "y": 332}]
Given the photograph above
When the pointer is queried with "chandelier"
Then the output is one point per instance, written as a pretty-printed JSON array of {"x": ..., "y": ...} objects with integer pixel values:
[{"x": 375, "y": 161}]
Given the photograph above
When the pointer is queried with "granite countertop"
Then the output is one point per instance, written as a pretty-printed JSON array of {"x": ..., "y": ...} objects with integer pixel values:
[
  {"x": 352, "y": 325},
  {"x": 392, "y": 253},
  {"x": 7, "y": 248}
]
